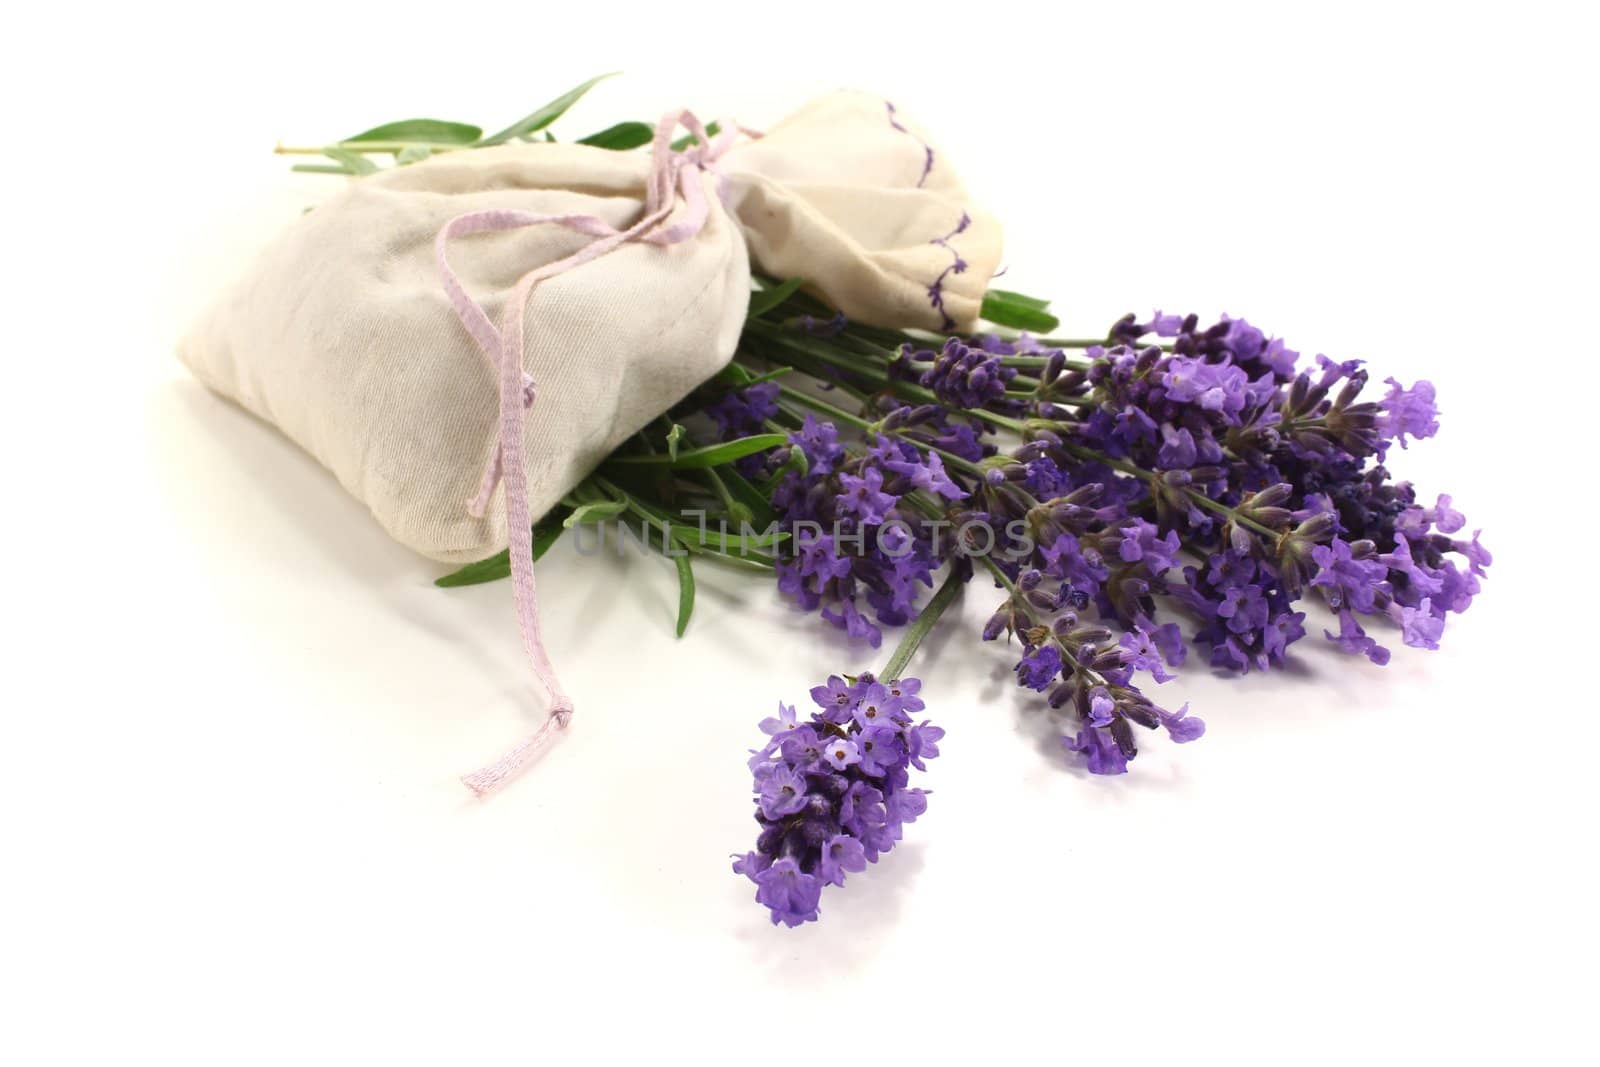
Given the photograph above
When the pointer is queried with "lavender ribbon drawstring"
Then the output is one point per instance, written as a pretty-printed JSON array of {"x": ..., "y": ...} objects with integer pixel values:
[{"x": 674, "y": 176}]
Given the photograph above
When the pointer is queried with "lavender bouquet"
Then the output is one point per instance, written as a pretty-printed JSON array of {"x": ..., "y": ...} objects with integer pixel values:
[{"x": 1168, "y": 489}]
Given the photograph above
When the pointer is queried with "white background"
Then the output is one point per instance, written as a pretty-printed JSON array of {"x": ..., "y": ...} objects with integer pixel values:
[{"x": 234, "y": 711}]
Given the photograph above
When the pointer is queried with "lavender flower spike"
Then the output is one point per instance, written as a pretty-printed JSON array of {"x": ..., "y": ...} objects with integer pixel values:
[{"x": 832, "y": 792}]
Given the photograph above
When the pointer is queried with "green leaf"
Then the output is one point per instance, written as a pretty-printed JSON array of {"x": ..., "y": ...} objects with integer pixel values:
[
  {"x": 425, "y": 131},
  {"x": 751, "y": 497},
  {"x": 545, "y": 115},
  {"x": 767, "y": 299},
  {"x": 1002, "y": 311},
  {"x": 752, "y": 561},
  {"x": 771, "y": 375},
  {"x": 734, "y": 374},
  {"x": 1025, "y": 300},
  {"x": 621, "y": 137},
  {"x": 546, "y": 532},
  {"x": 412, "y": 153},
  {"x": 674, "y": 435},
  {"x": 599, "y": 511},
  {"x": 684, "y": 142},
  {"x": 319, "y": 168},
  {"x": 712, "y": 455},
  {"x": 493, "y": 569},
  {"x": 352, "y": 162},
  {"x": 738, "y": 543},
  {"x": 685, "y": 592},
  {"x": 740, "y": 377},
  {"x": 797, "y": 463}
]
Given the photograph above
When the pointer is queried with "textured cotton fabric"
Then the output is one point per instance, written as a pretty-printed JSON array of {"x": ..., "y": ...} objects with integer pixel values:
[
  {"x": 340, "y": 333},
  {"x": 850, "y": 195}
]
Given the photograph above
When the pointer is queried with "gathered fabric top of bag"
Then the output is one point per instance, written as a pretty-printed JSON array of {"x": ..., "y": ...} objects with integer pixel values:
[{"x": 388, "y": 331}]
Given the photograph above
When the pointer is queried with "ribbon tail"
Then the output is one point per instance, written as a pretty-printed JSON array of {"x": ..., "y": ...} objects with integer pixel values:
[
  {"x": 519, "y": 532},
  {"x": 487, "y": 779},
  {"x": 671, "y": 172}
]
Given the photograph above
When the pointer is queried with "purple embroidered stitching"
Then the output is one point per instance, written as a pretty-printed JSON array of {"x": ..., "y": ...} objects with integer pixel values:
[
  {"x": 957, "y": 266},
  {"x": 927, "y": 149}
]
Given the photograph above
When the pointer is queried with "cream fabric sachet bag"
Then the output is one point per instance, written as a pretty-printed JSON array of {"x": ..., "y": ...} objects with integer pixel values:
[
  {"x": 342, "y": 336},
  {"x": 462, "y": 340}
]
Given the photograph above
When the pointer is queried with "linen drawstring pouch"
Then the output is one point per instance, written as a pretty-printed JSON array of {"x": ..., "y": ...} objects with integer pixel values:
[{"x": 460, "y": 341}]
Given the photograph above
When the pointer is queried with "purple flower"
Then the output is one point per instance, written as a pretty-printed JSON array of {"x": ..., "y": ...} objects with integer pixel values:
[
  {"x": 1044, "y": 479},
  {"x": 819, "y": 559},
  {"x": 783, "y": 792},
  {"x": 874, "y": 708},
  {"x": 1099, "y": 750},
  {"x": 963, "y": 377},
  {"x": 1245, "y": 608},
  {"x": 1419, "y": 626},
  {"x": 833, "y": 793},
  {"x": 906, "y": 805},
  {"x": 840, "y": 853},
  {"x": 820, "y": 443},
  {"x": 1177, "y": 448},
  {"x": 801, "y": 747},
  {"x": 1039, "y": 667},
  {"x": 840, "y": 753},
  {"x": 789, "y": 892},
  {"x": 1068, "y": 560},
  {"x": 1409, "y": 411},
  {"x": 1169, "y": 640},
  {"x": 1140, "y": 541},
  {"x": 742, "y": 412},
  {"x": 784, "y": 722},
  {"x": 1442, "y": 517},
  {"x": 903, "y": 693},
  {"x": 751, "y": 864},
  {"x": 1145, "y": 655},
  {"x": 1347, "y": 580},
  {"x": 1353, "y": 639},
  {"x": 1101, "y": 706},
  {"x": 922, "y": 742},
  {"x": 863, "y": 497},
  {"x": 1281, "y": 631},
  {"x": 1401, "y": 562},
  {"x": 1215, "y": 387},
  {"x": 1181, "y": 726},
  {"x": 880, "y": 748},
  {"x": 847, "y": 617},
  {"x": 1476, "y": 554},
  {"x": 836, "y": 697},
  {"x": 1167, "y": 325},
  {"x": 928, "y": 473}
]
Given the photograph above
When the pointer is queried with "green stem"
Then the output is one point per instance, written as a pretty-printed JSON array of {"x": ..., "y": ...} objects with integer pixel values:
[
  {"x": 824, "y": 408},
  {"x": 729, "y": 504},
  {"x": 1027, "y": 609},
  {"x": 1001, "y": 576},
  {"x": 923, "y": 624},
  {"x": 1194, "y": 494},
  {"x": 381, "y": 147},
  {"x": 904, "y": 389},
  {"x": 1071, "y": 342},
  {"x": 889, "y": 342},
  {"x": 647, "y": 516}
]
